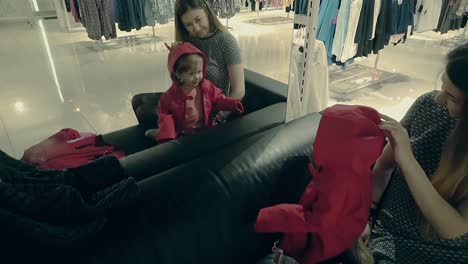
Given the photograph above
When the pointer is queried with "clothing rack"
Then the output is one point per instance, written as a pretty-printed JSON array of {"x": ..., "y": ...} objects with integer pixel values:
[
  {"x": 257, "y": 6},
  {"x": 81, "y": 28},
  {"x": 362, "y": 75},
  {"x": 67, "y": 21},
  {"x": 309, "y": 44},
  {"x": 350, "y": 78}
]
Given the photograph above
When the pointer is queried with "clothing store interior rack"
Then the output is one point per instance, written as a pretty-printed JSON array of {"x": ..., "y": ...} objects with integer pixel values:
[
  {"x": 130, "y": 40},
  {"x": 348, "y": 79},
  {"x": 355, "y": 77},
  {"x": 454, "y": 41},
  {"x": 310, "y": 22}
]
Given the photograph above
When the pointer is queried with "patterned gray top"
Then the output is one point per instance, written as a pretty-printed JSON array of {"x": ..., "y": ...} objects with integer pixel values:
[
  {"x": 398, "y": 236},
  {"x": 222, "y": 50}
]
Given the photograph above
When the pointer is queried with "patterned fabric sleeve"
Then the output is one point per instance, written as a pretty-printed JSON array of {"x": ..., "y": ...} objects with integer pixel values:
[
  {"x": 231, "y": 50},
  {"x": 409, "y": 117}
]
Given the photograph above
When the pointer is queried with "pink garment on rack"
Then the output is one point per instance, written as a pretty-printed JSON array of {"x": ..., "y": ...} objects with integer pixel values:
[
  {"x": 276, "y": 3},
  {"x": 74, "y": 11}
]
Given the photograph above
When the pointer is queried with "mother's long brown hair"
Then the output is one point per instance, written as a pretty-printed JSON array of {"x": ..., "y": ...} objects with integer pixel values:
[{"x": 451, "y": 176}]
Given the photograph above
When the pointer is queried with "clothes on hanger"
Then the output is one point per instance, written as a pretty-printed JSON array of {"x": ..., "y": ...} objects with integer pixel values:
[
  {"x": 377, "y": 8},
  {"x": 75, "y": 10},
  {"x": 427, "y": 15},
  {"x": 451, "y": 18},
  {"x": 403, "y": 13},
  {"x": 384, "y": 27},
  {"x": 97, "y": 18},
  {"x": 68, "y": 5},
  {"x": 327, "y": 24},
  {"x": 365, "y": 28},
  {"x": 341, "y": 30},
  {"x": 223, "y": 8},
  {"x": 163, "y": 10},
  {"x": 130, "y": 14},
  {"x": 316, "y": 93},
  {"x": 349, "y": 49},
  {"x": 135, "y": 14},
  {"x": 465, "y": 20},
  {"x": 275, "y": 3}
]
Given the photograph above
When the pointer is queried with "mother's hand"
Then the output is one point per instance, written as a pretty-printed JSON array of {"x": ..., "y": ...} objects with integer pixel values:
[{"x": 399, "y": 138}]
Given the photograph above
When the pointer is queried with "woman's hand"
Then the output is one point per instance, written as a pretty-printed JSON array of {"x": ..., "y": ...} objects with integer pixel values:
[
  {"x": 399, "y": 139},
  {"x": 366, "y": 234}
]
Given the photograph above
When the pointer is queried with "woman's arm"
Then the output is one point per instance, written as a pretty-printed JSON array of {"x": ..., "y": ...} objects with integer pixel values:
[
  {"x": 382, "y": 171},
  {"x": 447, "y": 221},
  {"x": 237, "y": 81}
]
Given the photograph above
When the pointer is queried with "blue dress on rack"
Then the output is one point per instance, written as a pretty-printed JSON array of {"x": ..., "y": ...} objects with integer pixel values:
[{"x": 327, "y": 25}]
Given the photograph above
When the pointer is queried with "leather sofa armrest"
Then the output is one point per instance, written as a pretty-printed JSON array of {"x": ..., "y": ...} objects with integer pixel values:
[
  {"x": 144, "y": 106},
  {"x": 262, "y": 91}
]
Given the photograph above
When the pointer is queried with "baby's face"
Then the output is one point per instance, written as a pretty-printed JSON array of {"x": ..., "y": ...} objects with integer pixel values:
[{"x": 193, "y": 76}]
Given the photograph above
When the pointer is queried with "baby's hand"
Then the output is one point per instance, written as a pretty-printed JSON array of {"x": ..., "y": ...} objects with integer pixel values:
[{"x": 173, "y": 45}]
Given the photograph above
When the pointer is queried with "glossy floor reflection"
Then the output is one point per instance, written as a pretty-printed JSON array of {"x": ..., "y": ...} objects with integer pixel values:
[{"x": 51, "y": 79}]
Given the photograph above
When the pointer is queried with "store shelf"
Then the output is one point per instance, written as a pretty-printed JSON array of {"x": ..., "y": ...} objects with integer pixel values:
[{"x": 300, "y": 19}]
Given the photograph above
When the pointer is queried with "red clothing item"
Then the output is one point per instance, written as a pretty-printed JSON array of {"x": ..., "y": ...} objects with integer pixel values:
[
  {"x": 334, "y": 208},
  {"x": 68, "y": 148},
  {"x": 173, "y": 103},
  {"x": 194, "y": 120}
]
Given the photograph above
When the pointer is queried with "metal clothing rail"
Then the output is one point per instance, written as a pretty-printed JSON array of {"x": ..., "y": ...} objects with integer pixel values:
[
  {"x": 310, "y": 22},
  {"x": 356, "y": 77},
  {"x": 343, "y": 81}
]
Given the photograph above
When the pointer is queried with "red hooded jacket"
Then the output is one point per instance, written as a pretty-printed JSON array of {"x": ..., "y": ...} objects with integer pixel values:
[
  {"x": 334, "y": 208},
  {"x": 172, "y": 104}
]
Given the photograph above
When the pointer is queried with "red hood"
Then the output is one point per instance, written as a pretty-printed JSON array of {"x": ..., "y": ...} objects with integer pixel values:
[
  {"x": 334, "y": 207},
  {"x": 179, "y": 51}
]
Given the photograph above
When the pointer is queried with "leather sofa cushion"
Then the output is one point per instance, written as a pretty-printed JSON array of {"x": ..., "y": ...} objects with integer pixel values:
[
  {"x": 204, "y": 211},
  {"x": 156, "y": 159}
]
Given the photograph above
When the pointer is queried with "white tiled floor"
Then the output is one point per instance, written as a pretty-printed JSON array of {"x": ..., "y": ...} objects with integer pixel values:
[{"x": 51, "y": 79}]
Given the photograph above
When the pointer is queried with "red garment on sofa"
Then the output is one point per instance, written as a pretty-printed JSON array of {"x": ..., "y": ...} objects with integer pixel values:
[
  {"x": 68, "y": 148},
  {"x": 334, "y": 208}
]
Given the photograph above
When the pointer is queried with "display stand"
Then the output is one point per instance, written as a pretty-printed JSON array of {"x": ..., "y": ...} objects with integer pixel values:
[{"x": 310, "y": 22}]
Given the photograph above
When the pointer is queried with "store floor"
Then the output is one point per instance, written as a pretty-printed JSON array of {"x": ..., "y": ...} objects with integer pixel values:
[{"x": 51, "y": 79}]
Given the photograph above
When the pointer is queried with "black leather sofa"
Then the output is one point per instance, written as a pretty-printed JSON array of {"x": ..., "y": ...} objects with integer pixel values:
[
  {"x": 265, "y": 107},
  {"x": 203, "y": 211},
  {"x": 201, "y": 208},
  {"x": 260, "y": 92}
]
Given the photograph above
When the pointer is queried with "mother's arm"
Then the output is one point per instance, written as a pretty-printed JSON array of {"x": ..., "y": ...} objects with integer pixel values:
[
  {"x": 237, "y": 80},
  {"x": 381, "y": 173},
  {"x": 449, "y": 222}
]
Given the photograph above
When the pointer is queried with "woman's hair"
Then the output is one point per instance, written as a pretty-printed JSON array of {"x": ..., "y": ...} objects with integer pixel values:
[
  {"x": 185, "y": 63},
  {"x": 451, "y": 176},
  {"x": 182, "y": 6}
]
